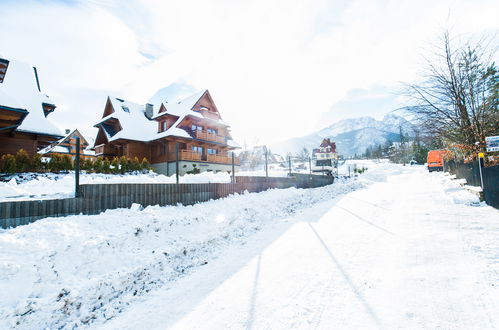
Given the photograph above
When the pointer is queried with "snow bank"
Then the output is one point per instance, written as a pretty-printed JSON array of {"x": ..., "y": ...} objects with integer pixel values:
[
  {"x": 73, "y": 271},
  {"x": 455, "y": 191}
]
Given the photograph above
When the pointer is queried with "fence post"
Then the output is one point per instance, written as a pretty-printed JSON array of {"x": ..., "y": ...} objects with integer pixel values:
[
  {"x": 233, "y": 169},
  {"x": 480, "y": 158},
  {"x": 176, "y": 162},
  {"x": 77, "y": 168}
]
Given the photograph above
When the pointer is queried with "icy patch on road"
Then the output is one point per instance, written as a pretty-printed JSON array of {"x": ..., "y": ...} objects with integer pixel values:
[{"x": 74, "y": 271}]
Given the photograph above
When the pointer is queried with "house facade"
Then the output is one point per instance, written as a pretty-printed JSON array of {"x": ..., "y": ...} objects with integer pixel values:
[
  {"x": 193, "y": 125},
  {"x": 68, "y": 146},
  {"x": 24, "y": 110}
]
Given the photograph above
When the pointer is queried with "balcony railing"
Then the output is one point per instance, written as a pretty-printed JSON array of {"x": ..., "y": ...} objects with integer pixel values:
[
  {"x": 203, "y": 135},
  {"x": 222, "y": 159}
]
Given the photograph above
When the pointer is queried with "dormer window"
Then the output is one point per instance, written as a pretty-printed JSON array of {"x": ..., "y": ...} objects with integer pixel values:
[
  {"x": 48, "y": 108},
  {"x": 3, "y": 69},
  {"x": 163, "y": 125}
]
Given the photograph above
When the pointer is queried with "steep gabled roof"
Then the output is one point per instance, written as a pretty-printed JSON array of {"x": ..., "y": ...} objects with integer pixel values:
[
  {"x": 20, "y": 90},
  {"x": 136, "y": 126},
  {"x": 132, "y": 119},
  {"x": 57, "y": 147}
]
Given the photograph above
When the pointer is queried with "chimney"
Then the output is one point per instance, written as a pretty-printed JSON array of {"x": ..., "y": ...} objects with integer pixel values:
[
  {"x": 68, "y": 131},
  {"x": 148, "y": 111}
]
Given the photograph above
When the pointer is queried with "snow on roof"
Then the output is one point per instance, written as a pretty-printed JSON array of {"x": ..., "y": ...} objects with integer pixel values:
[
  {"x": 134, "y": 123},
  {"x": 20, "y": 90},
  {"x": 136, "y": 126}
]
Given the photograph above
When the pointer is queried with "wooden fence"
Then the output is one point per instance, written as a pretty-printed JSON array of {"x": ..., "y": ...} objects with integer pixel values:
[{"x": 96, "y": 198}]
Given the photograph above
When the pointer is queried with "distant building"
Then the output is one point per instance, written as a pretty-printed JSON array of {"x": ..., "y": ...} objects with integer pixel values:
[
  {"x": 325, "y": 157},
  {"x": 153, "y": 132},
  {"x": 67, "y": 146},
  {"x": 24, "y": 110}
]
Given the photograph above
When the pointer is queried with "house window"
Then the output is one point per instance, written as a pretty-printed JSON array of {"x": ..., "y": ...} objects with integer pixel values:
[
  {"x": 163, "y": 125},
  {"x": 126, "y": 109},
  {"x": 212, "y": 151},
  {"x": 196, "y": 127},
  {"x": 212, "y": 131},
  {"x": 197, "y": 149},
  {"x": 204, "y": 108}
]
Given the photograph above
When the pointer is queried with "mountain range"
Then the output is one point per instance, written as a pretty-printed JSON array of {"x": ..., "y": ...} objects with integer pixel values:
[{"x": 352, "y": 136}]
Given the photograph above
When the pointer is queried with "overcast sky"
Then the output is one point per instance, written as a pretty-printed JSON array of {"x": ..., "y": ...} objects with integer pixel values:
[{"x": 276, "y": 69}]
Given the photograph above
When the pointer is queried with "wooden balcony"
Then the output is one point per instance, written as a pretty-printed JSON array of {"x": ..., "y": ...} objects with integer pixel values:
[
  {"x": 203, "y": 135},
  {"x": 185, "y": 155},
  {"x": 222, "y": 159}
]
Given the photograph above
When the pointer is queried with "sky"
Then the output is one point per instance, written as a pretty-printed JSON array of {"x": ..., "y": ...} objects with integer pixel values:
[{"x": 276, "y": 69}]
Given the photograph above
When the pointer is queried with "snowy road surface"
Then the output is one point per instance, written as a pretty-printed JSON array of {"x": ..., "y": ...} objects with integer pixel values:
[
  {"x": 397, "y": 248},
  {"x": 407, "y": 252}
]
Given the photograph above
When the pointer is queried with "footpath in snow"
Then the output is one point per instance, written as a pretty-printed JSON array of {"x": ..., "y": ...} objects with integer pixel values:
[{"x": 397, "y": 248}]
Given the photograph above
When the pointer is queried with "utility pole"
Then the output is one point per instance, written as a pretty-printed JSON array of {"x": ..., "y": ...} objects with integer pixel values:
[
  {"x": 289, "y": 163},
  {"x": 310, "y": 164},
  {"x": 77, "y": 168}
]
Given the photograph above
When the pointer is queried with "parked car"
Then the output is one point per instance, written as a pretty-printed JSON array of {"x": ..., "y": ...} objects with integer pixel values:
[{"x": 435, "y": 160}]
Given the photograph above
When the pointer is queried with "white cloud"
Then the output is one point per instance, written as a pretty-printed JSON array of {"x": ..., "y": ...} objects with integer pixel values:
[{"x": 273, "y": 67}]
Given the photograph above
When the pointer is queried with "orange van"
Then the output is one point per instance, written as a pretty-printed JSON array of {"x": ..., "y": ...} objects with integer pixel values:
[{"x": 435, "y": 160}]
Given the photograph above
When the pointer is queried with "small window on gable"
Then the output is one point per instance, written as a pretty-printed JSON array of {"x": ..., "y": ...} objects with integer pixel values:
[
  {"x": 48, "y": 108},
  {"x": 3, "y": 69},
  {"x": 163, "y": 125},
  {"x": 202, "y": 108},
  {"x": 126, "y": 109}
]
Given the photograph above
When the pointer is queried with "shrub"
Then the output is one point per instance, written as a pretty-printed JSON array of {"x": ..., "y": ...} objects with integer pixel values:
[
  {"x": 23, "y": 162},
  {"x": 106, "y": 164},
  {"x": 145, "y": 165},
  {"x": 124, "y": 167},
  {"x": 98, "y": 165},
  {"x": 8, "y": 164},
  {"x": 115, "y": 164},
  {"x": 87, "y": 165},
  {"x": 135, "y": 164},
  {"x": 66, "y": 163},
  {"x": 194, "y": 170},
  {"x": 55, "y": 164},
  {"x": 36, "y": 164}
]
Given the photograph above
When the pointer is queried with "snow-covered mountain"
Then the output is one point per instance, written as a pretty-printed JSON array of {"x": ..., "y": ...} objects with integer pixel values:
[{"x": 352, "y": 136}]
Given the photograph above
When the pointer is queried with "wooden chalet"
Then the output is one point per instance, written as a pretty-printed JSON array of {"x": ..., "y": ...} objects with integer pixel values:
[
  {"x": 67, "y": 146},
  {"x": 24, "y": 110},
  {"x": 153, "y": 132}
]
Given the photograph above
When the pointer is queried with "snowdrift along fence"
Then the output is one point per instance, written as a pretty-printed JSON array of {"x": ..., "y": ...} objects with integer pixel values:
[
  {"x": 471, "y": 172},
  {"x": 96, "y": 198}
]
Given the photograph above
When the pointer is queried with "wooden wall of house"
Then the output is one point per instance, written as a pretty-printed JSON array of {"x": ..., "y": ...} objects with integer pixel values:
[
  {"x": 139, "y": 150},
  {"x": 10, "y": 144}
]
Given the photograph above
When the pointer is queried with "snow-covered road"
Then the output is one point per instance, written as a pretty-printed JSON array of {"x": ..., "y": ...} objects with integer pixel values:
[{"x": 408, "y": 252}]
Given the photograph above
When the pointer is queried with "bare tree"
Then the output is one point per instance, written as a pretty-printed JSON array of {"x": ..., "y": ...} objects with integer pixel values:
[{"x": 458, "y": 98}]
